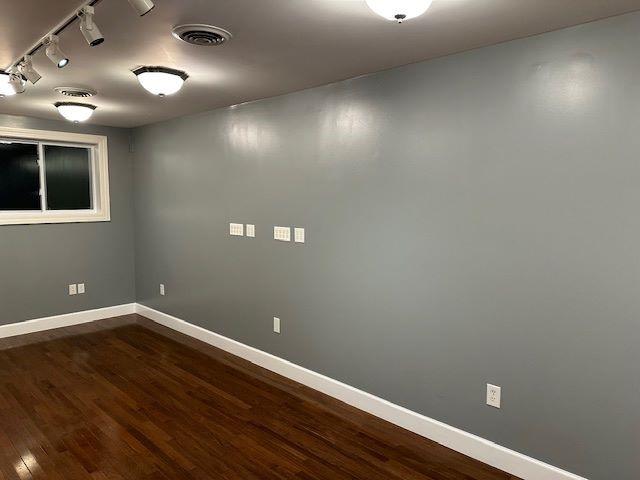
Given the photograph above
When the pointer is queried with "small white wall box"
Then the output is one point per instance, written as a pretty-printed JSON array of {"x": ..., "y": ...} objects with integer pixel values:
[
  {"x": 282, "y": 234},
  {"x": 250, "y": 230},
  {"x": 236, "y": 229},
  {"x": 298, "y": 235}
]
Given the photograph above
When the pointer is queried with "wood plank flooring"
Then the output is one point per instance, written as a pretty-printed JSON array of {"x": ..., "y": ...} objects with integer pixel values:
[{"x": 128, "y": 399}]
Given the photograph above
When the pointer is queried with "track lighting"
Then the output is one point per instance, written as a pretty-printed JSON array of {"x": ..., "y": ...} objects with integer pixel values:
[
  {"x": 75, "y": 112},
  {"x": 6, "y": 89},
  {"x": 142, "y": 6},
  {"x": 17, "y": 83},
  {"x": 26, "y": 69},
  {"x": 54, "y": 53},
  {"x": 160, "y": 81},
  {"x": 399, "y": 10},
  {"x": 88, "y": 27}
]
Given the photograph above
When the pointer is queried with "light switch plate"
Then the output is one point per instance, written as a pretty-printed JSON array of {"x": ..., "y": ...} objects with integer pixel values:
[
  {"x": 494, "y": 395},
  {"x": 73, "y": 289},
  {"x": 276, "y": 324},
  {"x": 236, "y": 229},
  {"x": 80, "y": 288},
  {"x": 250, "y": 230},
  {"x": 298, "y": 235},
  {"x": 282, "y": 233}
]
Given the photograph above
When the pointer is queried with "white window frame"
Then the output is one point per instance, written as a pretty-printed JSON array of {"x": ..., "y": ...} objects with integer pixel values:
[{"x": 99, "y": 166}]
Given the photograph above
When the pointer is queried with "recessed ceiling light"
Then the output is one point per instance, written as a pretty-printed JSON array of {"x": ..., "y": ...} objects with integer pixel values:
[
  {"x": 161, "y": 81},
  {"x": 75, "y": 112},
  {"x": 399, "y": 10}
]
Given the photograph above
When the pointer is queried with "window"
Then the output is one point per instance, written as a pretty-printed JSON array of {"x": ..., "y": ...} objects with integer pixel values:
[{"x": 52, "y": 177}]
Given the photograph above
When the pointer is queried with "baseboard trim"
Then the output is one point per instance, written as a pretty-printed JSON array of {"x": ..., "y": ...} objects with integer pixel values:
[
  {"x": 471, "y": 445},
  {"x": 64, "y": 320}
]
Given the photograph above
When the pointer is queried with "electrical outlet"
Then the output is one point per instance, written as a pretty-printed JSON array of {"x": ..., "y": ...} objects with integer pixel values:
[
  {"x": 162, "y": 289},
  {"x": 494, "y": 395},
  {"x": 282, "y": 233},
  {"x": 298, "y": 235},
  {"x": 236, "y": 229},
  {"x": 250, "y": 230},
  {"x": 276, "y": 324},
  {"x": 73, "y": 289},
  {"x": 81, "y": 288}
]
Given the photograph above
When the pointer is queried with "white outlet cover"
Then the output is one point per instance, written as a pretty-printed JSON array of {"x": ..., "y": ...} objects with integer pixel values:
[
  {"x": 251, "y": 230},
  {"x": 73, "y": 289},
  {"x": 80, "y": 288},
  {"x": 282, "y": 234},
  {"x": 298, "y": 235},
  {"x": 162, "y": 289},
  {"x": 494, "y": 395},
  {"x": 276, "y": 324},
  {"x": 236, "y": 229}
]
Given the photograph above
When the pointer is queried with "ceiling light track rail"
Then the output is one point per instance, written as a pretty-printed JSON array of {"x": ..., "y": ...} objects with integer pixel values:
[{"x": 57, "y": 30}]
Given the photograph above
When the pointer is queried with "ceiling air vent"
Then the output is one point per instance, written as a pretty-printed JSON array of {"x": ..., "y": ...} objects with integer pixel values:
[
  {"x": 76, "y": 92},
  {"x": 201, "y": 35}
]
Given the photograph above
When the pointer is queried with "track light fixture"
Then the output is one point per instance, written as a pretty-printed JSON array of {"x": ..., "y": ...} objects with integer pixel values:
[
  {"x": 88, "y": 27},
  {"x": 142, "y": 6},
  {"x": 75, "y": 112},
  {"x": 6, "y": 89},
  {"x": 17, "y": 83},
  {"x": 54, "y": 53},
  {"x": 160, "y": 81},
  {"x": 25, "y": 67}
]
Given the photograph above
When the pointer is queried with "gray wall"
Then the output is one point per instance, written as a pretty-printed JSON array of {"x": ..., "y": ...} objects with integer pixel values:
[
  {"x": 470, "y": 219},
  {"x": 38, "y": 262}
]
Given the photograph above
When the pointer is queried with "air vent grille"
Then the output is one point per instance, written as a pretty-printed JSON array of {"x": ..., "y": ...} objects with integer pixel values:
[
  {"x": 76, "y": 92},
  {"x": 201, "y": 35}
]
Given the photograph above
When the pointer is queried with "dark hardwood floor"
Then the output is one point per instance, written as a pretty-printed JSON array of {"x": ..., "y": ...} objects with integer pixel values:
[{"x": 128, "y": 399}]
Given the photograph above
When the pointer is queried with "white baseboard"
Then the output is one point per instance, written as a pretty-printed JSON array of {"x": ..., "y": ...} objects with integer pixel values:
[
  {"x": 473, "y": 446},
  {"x": 65, "y": 320}
]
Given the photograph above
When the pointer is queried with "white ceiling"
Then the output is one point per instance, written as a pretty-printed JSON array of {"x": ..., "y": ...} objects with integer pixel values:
[{"x": 279, "y": 46}]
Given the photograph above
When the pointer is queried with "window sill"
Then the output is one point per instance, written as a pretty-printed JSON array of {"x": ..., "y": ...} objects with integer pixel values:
[{"x": 34, "y": 218}]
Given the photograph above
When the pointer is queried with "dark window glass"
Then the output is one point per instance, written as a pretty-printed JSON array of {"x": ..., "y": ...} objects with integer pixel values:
[
  {"x": 68, "y": 177},
  {"x": 19, "y": 176}
]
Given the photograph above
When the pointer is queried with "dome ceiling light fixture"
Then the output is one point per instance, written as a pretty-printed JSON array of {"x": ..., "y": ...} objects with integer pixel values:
[
  {"x": 160, "y": 81},
  {"x": 399, "y": 10},
  {"x": 75, "y": 112}
]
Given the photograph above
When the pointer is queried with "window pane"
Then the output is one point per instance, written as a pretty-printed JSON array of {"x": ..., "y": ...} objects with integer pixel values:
[
  {"x": 68, "y": 177},
  {"x": 19, "y": 176}
]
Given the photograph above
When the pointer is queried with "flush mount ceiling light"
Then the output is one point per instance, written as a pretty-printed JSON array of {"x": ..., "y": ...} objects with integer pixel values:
[
  {"x": 160, "y": 81},
  {"x": 88, "y": 27},
  {"x": 399, "y": 10},
  {"x": 26, "y": 69},
  {"x": 6, "y": 89},
  {"x": 75, "y": 112},
  {"x": 142, "y": 6},
  {"x": 54, "y": 53}
]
